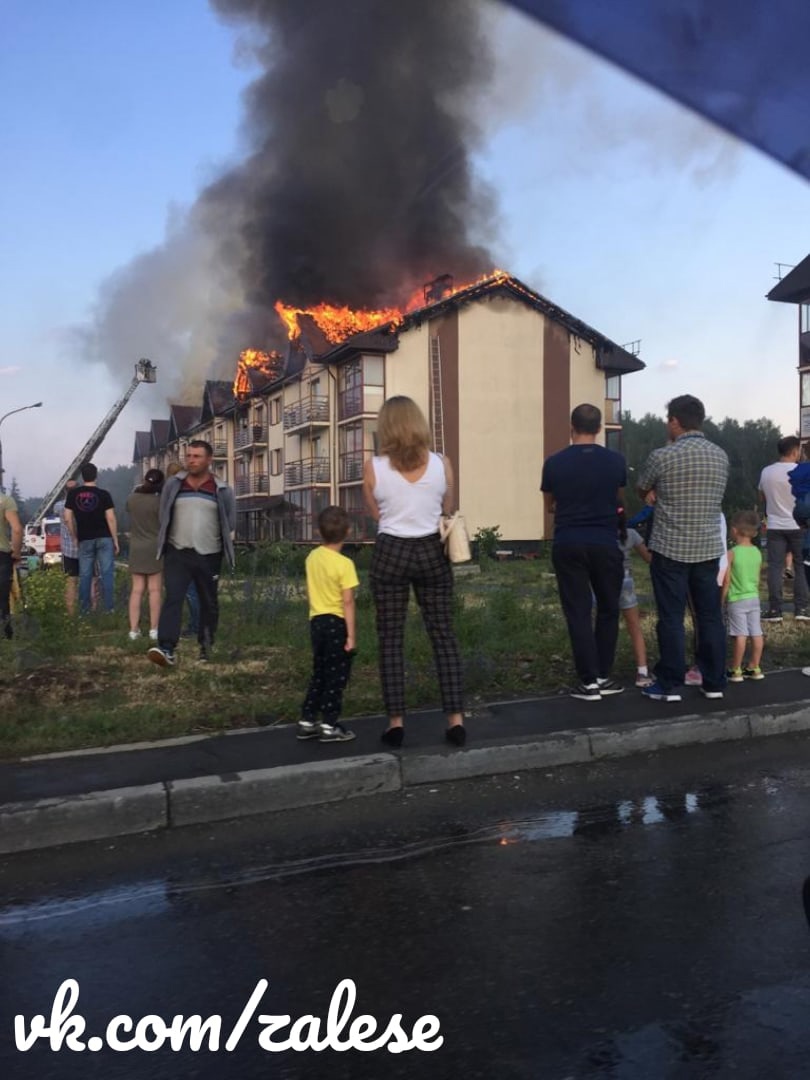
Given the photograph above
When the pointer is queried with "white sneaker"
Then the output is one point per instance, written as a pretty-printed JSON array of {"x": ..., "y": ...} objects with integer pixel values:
[
  {"x": 153, "y": 635},
  {"x": 806, "y": 671},
  {"x": 134, "y": 635}
]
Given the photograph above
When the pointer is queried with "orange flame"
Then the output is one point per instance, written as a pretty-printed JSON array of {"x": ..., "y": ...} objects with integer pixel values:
[
  {"x": 339, "y": 322},
  {"x": 270, "y": 364}
]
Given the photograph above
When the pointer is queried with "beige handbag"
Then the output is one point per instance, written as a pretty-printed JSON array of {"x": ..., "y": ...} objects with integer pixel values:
[{"x": 453, "y": 533}]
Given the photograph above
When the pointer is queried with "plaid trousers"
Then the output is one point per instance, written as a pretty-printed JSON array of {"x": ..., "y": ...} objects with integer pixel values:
[{"x": 398, "y": 563}]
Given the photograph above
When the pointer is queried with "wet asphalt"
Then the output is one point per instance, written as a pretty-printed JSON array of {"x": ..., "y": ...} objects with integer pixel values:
[{"x": 633, "y": 920}]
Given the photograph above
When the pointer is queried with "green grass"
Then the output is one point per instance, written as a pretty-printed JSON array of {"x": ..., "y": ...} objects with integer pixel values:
[{"x": 68, "y": 683}]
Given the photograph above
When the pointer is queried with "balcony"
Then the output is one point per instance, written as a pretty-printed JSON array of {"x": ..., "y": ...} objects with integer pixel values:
[
  {"x": 351, "y": 466},
  {"x": 307, "y": 472},
  {"x": 220, "y": 448},
  {"x": 245, "y": 438},
  {"x": 311, "y": 412},
  {"x": 252, "y": 485}
]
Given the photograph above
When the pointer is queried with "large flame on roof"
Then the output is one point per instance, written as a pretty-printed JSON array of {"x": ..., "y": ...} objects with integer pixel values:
[
  {"x": 269, "y": 364},
  {"x": 337, "y": 323}
]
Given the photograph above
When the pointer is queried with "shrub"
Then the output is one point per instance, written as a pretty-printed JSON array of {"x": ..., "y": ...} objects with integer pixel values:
[{"x": 487, "y": 539}]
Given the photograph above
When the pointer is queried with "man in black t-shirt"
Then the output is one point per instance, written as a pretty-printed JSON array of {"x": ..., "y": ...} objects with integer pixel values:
[
  {"x": 90, "y": 517},
  {"x": 582, "y": 487}
]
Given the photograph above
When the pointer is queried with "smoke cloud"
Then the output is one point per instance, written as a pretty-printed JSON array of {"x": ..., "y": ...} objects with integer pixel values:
[{"x": 357, "y": 186}]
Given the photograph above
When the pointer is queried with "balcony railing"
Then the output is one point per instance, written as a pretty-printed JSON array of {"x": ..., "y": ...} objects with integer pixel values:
[
  {"x": 313, "y": 411},
  {"x": 252, "y": 435},
  {"x": 307, "y": 472},
  {"x": 252, "y": 485},
  {"x": 351, "y": 466},
  {"x": 220, "y": 448}
]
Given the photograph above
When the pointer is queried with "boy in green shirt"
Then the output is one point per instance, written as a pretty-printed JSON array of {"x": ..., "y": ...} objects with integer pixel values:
[{"x": 741, "y": 591}]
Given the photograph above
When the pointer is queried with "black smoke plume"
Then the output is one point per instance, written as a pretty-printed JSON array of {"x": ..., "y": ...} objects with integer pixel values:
[{"x": 359, "y": 185}]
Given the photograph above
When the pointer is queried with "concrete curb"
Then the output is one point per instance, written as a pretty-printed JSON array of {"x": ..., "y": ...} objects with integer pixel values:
[{"x": 26, "y": 826}]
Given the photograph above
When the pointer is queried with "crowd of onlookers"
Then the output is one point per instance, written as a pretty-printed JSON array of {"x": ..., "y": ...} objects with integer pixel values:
[{"x": 182, "y": 529}]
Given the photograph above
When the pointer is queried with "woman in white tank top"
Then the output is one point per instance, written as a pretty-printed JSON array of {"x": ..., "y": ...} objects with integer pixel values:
[{"x": 407, "y": 489}]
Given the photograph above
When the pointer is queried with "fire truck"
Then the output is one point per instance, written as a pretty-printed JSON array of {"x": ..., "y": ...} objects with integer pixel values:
[{"x": 43, "y": 532}]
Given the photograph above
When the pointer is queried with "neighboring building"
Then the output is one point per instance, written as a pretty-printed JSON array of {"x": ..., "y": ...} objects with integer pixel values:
[
  {"x": 496, "y": 367},
  {"x": 794, "y": 288}
]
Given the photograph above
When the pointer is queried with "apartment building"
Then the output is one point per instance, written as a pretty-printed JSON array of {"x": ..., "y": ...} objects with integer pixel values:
[
  {"x": 496, "y": 368},
  {"x": 794, "y": 288}
]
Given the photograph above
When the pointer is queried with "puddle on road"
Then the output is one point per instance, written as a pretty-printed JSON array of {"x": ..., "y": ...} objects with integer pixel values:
[{"x": 153, "y": 897}]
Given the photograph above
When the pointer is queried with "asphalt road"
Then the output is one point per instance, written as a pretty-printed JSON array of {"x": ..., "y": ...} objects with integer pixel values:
[{"x": 632, "y": 921}]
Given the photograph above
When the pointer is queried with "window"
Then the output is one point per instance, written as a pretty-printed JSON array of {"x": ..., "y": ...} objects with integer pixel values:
[
  {"x": 275, "y": 462},
  {"x": 275, "y": 410},
  {"x": 361, "y": 386},
  {"x": 355, "y": 447},
  {"x": 804, "y": 316},
  {"x": 613, "y": 439},
  {"x": 613, "y": 399},
  {"x": 805, "y": 388}
]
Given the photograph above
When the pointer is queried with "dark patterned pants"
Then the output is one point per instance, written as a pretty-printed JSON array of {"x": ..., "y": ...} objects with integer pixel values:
[
  {"x": 331, "y": 666},
  {"x": 396, "y": 565}
]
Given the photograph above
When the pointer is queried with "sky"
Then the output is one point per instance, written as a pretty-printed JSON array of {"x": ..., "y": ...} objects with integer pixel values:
[{"x": 617, "y": 204}]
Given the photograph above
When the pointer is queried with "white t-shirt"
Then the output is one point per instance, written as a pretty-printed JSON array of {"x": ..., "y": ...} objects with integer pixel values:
[
  {"x": 779, "y": 501},
  {"x": 409, "y": 509}
]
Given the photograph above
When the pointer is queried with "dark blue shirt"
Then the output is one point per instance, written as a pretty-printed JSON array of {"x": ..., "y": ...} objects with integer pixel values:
[{"x": 585, "y": 480}]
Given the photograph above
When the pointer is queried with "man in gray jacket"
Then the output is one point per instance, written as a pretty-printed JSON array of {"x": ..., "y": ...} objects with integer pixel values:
[{"x": 197, "y": 523}]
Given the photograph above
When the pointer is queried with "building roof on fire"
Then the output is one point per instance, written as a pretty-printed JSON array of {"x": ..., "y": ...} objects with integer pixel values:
[
  {"x": 609, "y": 355},
  {"x": 794, "y": 288}
]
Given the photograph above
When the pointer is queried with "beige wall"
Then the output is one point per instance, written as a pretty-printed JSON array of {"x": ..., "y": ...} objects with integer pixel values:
[
  {"x": 407, "y": 368},
  {"x": 500, "y": 417},
  {"x": 587, "y": 381}
]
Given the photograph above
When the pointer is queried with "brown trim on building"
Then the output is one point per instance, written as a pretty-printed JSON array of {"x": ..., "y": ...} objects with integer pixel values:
[
  {"x": 446, "y": 328},
  {"x": 556, "y": 397}
]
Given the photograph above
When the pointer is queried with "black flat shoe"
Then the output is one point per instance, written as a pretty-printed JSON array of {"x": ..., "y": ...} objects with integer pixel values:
[
  {"x": 393, "y": 737},
  {"x": 457, "y": 735}
]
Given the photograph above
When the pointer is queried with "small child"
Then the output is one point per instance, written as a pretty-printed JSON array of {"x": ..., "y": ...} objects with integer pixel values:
[
  {"x": 331, "y": 581},
  {"x": 741, "y": 590},
  {"x": 630, "y": 541}
]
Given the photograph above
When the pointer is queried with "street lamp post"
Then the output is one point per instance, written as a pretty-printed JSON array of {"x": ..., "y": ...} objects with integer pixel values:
[{"x": 22, "y": 408}]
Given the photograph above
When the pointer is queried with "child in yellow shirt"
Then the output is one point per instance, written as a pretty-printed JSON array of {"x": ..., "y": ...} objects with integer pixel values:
[{"x": 331, "y": 581}]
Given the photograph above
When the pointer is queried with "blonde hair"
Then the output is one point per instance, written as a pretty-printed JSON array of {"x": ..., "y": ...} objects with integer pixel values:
[
  {"x": 174, "y": 468},
  {"x": 403, "y": 433}
]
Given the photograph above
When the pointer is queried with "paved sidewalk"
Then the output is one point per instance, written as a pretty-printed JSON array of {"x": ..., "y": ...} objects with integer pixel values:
[{"x": 94, "y": 794}]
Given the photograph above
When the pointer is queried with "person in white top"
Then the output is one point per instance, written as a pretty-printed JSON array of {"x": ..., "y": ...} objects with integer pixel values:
[
  {"x": 407, "y": 489},
  {"x": 783, "y": 535}
]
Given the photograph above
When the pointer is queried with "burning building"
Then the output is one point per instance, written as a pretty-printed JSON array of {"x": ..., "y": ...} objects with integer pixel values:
[{"x": 495, "y": 366}]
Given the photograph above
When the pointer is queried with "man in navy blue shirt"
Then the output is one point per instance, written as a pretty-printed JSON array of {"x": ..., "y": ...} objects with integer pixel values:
[{"x": 582, "y": 487}]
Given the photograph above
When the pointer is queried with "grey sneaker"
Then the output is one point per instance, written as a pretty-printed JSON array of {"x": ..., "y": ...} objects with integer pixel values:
[
  {"x": 586, "y": 692},
  {"x": 308, "y": 729},
  {"x": 610, "y": 686},
  {"x": 161, "y": 657},
  {"x": 335, "y": 733}
]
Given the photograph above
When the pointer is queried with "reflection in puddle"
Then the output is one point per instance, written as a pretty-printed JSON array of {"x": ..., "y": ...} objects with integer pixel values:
[{"x": 152, "y": 897}]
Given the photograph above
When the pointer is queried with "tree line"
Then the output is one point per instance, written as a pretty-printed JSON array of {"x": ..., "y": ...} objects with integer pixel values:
[
  {"x": 750, "y": 447},
  {"x": 118, "y": 481}
]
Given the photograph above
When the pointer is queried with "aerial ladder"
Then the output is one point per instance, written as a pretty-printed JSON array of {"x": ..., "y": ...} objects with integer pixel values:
[{"x": 145, "y": 372}]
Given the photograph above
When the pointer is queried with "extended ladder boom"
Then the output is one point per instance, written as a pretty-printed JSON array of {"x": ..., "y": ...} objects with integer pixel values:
[{"x": 145, "y": 371}]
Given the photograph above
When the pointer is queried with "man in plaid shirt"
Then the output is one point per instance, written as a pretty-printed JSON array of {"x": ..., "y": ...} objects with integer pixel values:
[{"x": 686, "y": 480}]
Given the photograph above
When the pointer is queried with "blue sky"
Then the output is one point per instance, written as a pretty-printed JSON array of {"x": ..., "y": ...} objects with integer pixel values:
[{"x": 615, "y": 203}]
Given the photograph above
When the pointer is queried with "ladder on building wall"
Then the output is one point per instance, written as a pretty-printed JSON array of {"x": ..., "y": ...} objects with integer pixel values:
[{"x": 436, "y": 408}]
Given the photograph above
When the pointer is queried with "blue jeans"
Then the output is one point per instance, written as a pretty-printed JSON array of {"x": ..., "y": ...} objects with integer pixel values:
[
  {"x": 99, "y": 551},
  {"x": 672, "y": 581}
]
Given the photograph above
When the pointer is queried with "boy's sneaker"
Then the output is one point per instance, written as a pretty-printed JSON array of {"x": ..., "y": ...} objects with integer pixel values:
[
  {"x": 161, "y": 657},
  {"x": 713, "y": 695},
  {"x": 754, "y": 673},
  {"x": 608, "y": 687},
  {"x": 335, "y": 733},
  {"x": 643, "y": 680},
  {"x": 308, "y": 729},
  {"x": 656, "y": 692},
  {"x": 771, "y": 616},
  {"x": 735, "y": 674},
  {"x": 586, "y": 692},
  {"x": 693, "y": 676}
]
